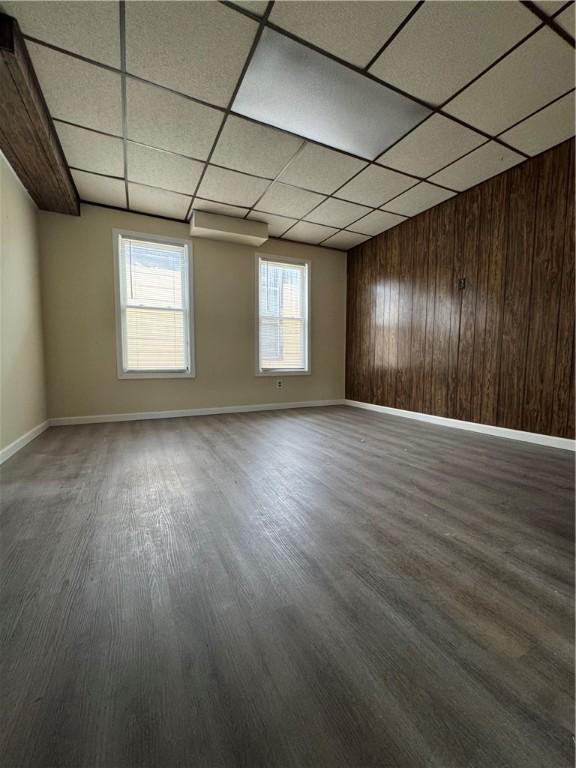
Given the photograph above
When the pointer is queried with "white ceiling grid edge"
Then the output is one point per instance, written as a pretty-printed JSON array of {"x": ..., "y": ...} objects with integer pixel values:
[{"x": 254, "y": 13}]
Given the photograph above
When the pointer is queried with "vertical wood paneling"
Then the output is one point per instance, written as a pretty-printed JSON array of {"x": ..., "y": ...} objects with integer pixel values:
[
  {"x": 523, "y": 192},
  {"x": 501, "y": 351},
  {"x": 494, "y": 231},
  {"x": 442, "y": 229},
  {"x": 404, "y": 372},
  {"x": 459, "y": 235},
  {"x": 419, "y": 300},
  {"x": 547, "y": 282},
  {"x": 469, "y": 270},
  {"x": 562, "y": 412},
  {"x": 432, "y": 253},
  {"x": 481, "y": 310}
]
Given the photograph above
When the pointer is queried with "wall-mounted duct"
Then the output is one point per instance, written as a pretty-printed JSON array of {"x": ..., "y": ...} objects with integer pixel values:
[{"x": 214, "y": 226}]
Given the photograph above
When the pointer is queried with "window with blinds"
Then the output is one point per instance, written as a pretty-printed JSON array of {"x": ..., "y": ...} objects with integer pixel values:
[
  {"x": 154, "y": 307},
  {"x": 282, "y": 316}
]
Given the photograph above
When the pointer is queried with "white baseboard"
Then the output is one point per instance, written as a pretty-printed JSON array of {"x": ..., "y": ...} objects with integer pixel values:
[
  {"x": 472, "y": 426},
  {"x": 144, "y": 415},
  {"x": 514, "y": 434},
  {"x": 23, "y": 440}
]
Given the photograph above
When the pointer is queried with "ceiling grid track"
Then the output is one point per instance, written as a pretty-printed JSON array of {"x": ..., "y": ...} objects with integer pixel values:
[
  {"x": 122, "y": 21},
  {"x": 266, "y": 21},
  {"x": 255, "y": 42}
]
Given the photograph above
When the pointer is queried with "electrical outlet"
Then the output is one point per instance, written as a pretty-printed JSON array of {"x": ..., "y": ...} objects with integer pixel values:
[{"x": 279, "y": 384}]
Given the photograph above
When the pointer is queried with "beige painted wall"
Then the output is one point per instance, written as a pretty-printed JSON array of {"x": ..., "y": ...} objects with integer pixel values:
[
  {"x": 78, "y": 297},
  {"x": 22, "y": 401}
]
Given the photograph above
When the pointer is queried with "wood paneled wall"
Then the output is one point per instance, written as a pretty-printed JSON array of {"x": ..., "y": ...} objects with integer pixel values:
[{"x": 499, "y": 350}]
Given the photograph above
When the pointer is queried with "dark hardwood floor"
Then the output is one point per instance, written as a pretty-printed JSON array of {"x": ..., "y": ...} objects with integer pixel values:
[{"x": 323, "y": 587}]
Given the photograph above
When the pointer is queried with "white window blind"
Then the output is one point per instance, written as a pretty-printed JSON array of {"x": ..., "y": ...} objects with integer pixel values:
[
  {"x": 154, "y": 312},
  {"x": 282, "y": 316}
]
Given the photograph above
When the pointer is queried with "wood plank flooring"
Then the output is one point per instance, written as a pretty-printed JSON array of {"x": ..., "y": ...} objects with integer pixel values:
[{"x": 322, "y": 587}]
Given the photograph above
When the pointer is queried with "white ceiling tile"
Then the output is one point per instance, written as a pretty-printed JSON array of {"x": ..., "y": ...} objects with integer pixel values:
[
  {"x": 157, "y": 168},
  {"x": 231, "y": 187},
  {"x": 345, "y": 240},
  {"x": 195, "y": 48},
  {"x": 487, "y": 161},
  {"x": 550, "y": 6},
  {"x": 288, "y": 201},
  {"x": 418, "y": 199},
  {"x": 91, "y": 151},
  {"x": 531, "y": 76},
  {"x": 434, "y": 144},
  {"x": 446, "y": 44},
  {"x": 354, "y": 31},
  {"x": 89, "y": 29},
  {"x": 220, "y": 208},
  {"x": 376, "y": 222},
  {"x": 99, "y": 189},
  {"x": 255, "y": 6},
  {"x": 545, "y": 129},
  {"x": 321, "y": 169},
  {"x": 158, "y": 202},
  {"x": 566, "y": 20},
  {"x": 277, "y": 225},
  {"x": 309, "y": 233},
  {"x": 302, "y": 91},
  {"x": 375, "y": 185},
  {"x": 337, "y": 213},
  {"x": 253, "y": 148},
  {"x": 78, "y": 92},
  {"x": 168, "y": 121}
]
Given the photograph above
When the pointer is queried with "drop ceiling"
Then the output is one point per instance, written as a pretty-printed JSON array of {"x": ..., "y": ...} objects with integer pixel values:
[{"x": 330, "y": 121}]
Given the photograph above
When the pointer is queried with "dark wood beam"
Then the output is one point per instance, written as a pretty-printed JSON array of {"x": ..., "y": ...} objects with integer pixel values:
[{"x": 28, "y": 138}]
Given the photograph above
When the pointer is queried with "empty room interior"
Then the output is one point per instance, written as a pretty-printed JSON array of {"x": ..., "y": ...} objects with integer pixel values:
[{"x": 287, "y": 384}]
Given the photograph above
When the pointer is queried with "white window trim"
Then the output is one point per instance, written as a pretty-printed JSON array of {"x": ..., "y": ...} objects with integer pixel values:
[
  {"x": 280, "y": 372},
  {"x": 187, "y": 244}
]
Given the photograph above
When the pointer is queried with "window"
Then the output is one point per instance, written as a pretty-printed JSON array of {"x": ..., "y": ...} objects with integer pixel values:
[
  {"x": 283, "y": 327},
  {"x": 154, "y": 320}
]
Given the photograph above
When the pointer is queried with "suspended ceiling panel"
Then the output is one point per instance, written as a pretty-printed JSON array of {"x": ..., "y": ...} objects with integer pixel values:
[
  {"x": 337, "y": 213},
  {"x": 88, "y": 29},
  {"x": 446, "y": 44},
  {"x": 566, "y": 20},
  {"x": 550, "y": 126},
  {"x": 197, "y": 49},
  {"x": 432, "y": 145},
  {"x": 158, "y": 168},
  {"x": 289, "y": 201},
  {"x": 293, "y": 87},
  {"x": 374, "y": 185},
  {"x": 254, "y": 6},
  {"x": 376, "y": 222},
  {"x": 254, "y": 148},
  {"x": 305, "y": 232},
  {"x": 325, "y": 141},
  {"x": 320, "y": 169},
  {"x": 277, "y": 225},
  {"x": 532, "y": 75},
  {"x": 220, "y": 208},
  {"x": 486, "y": 161},
  {"x": 168, "y": 121},
  {"x": 352, "y": 31},
  {"x": 418, "y": 199},
  {"x": 100, "y": 189},
  {"x": 91, "y": 151},
  {"x": 345, "y": 240},
  {"x": 79, "y": 92},
  {"x": 157, "y": 201},
  {"x": 231, "y": 187}
]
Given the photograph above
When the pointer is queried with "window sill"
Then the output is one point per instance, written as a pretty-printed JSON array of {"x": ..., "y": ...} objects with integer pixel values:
[
  {"x": 279, "y": 373},
  {"x": 156, "y": 375}
]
